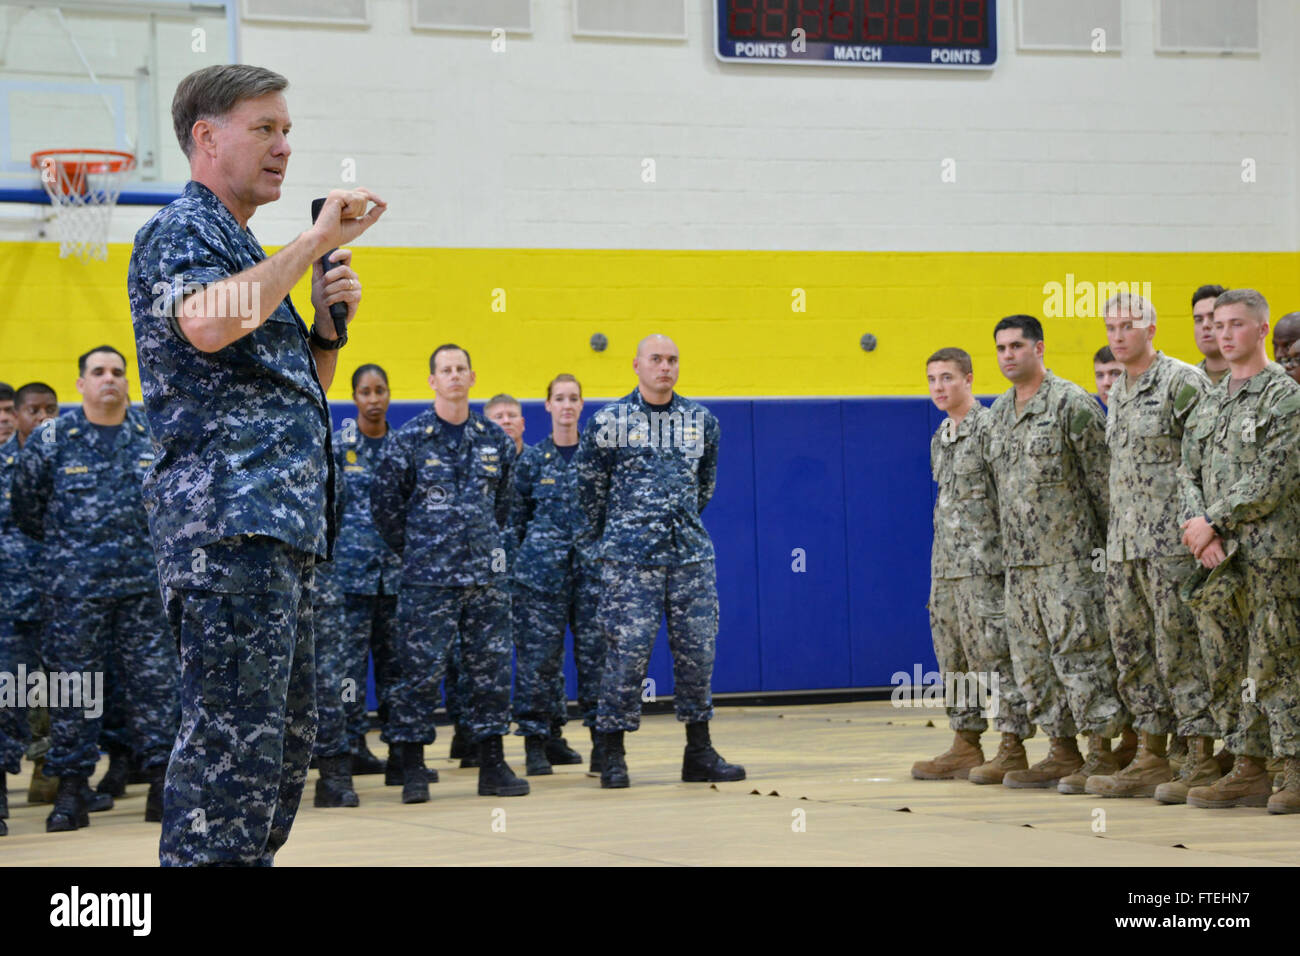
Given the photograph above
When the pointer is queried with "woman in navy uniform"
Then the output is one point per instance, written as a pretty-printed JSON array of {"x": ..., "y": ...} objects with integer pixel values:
[
  {"x": 553, "y": 586},
  {"x": 357, "y": 591}
]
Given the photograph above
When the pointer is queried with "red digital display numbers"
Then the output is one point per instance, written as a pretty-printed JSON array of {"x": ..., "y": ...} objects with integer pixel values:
[{"x": 886, "y": 22}]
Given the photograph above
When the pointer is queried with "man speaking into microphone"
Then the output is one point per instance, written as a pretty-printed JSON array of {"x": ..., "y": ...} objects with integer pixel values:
[{"x": 241, "y": 494}]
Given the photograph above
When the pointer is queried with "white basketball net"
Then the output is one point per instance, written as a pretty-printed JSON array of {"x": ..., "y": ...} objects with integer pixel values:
[{"x": 83, "y": 188}]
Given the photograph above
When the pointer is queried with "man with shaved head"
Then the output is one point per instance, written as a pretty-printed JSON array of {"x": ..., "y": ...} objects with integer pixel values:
[{"x": 647, "y": 467}]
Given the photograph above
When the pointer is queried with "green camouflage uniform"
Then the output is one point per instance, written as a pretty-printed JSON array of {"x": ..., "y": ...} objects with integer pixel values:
[
  {"x": 1051, "y": 468},
  {"x": 966, "y": 581},
  {"x": 1241, "y": 469},
  {"x": 1208, "y": 374},
  {"x": 1162, "y": 678}
]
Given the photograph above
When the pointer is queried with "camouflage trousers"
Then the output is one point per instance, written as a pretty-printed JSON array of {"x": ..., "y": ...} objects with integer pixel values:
[
  {"x": 429, "y": 622},
  {"x": 245, "y": 628},
  {"x": 347, "y": 636},
  {"x": 539, "y": 626},
  {"x": 1060, "y": 648},
  {"x": 14, "y": 730},
  {"x": 87, "y": 636},
  {"x": 455, "y": 684},
  {"x": 1269, "y": 722},
  {"x": 28, "y": 635},
  {"x": 633, "y": 600},
  {"x": 113, "y": 730},
  {"x": 967, "y": 625},
  {"x": 1162, "y": 680},
  {"x": 1223, "y": 642}
]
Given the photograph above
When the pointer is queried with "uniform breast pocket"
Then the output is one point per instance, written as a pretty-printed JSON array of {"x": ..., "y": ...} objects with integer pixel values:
[
  {"x": 437, "y": 482},
  {"x": 1153, "y": 444},
  {"x": 547, "y": 491},
  {"x": 76, "y": 483},
  {"x": 487, "y": 475},
  {"x": 1043, "y": 457},
  {"x": 1245, "y": 451},
  {"x": 968, "y": 477}
]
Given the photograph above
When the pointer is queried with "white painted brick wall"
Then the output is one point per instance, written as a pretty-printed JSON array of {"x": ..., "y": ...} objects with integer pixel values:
[{"x": 541, "y": 146}]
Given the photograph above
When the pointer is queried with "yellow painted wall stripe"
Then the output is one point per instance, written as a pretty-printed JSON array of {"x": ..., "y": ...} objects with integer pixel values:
[{"x": 730, "y": 312}]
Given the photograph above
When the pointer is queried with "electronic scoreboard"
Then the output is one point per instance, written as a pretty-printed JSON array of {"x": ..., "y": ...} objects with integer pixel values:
[{"x": 945, "y": 34}]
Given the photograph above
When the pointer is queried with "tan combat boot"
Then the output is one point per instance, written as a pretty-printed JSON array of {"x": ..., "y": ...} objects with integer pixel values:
[
  {"x": 955, "y": 762},
  {"x": 1177, "y": 754},
  {"x": 1287, "y": 800},
  {"x": 1010, "y": 756},
  {"x": 1101, "y": 762},
  {"x": 1226, "y": 759},
  {"x": 1144, "y": 773},
  {"x": 1248, "y": 785},
  {"x": 1128, "y": 747},
  {"x": 1275, "y": 765},
  {"x": 42, "y": 788},
  {"x": 1200, "y": 769},
  {"x": 1062, "y": 758}
]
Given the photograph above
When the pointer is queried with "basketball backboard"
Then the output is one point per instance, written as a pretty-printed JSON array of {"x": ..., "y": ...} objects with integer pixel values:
[{"x": 100, "y": 74}]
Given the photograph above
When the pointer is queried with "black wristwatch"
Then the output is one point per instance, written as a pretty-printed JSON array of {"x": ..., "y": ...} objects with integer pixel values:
[
  {"x": 324, "y": 344},
  {"x": 1212, "y": 525}
]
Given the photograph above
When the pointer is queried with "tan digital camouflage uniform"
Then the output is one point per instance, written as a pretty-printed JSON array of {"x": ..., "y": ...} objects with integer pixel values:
[
  {"x": 1241, "y": 468},
  {"x": 1214, "y": 377},
  {"x": 966, "y": 580},
  {"x": 1051, "y": 468},
  {"x": 1162, "y": 676}
]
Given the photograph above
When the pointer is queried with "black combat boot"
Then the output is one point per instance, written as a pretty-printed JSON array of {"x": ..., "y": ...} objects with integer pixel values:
[
  {"x": 153, "y": 803},
  {"x": 137, "y": 773},
  {"x": 113, "y": 782},
  {"x": 469, "y": 751},
  {"x": 69, "y": 811},
  {"x": 558, "y": 750},
  {"x": 703, "y": 764},
  {"x": 334, "y": 788},
  {"x": 364, "y": 762},
  {"x": 613, "y": 768},
  {"x": 597, "y": 753},
  {"x": 536, "y": 764},
  {"x": 460, "y": 747},
  {"x": 495, "y": 778},
  {"x": 95, "y": 802},
  {"x": 415, "y": 780},
  {"x": 393, "y": 768}
]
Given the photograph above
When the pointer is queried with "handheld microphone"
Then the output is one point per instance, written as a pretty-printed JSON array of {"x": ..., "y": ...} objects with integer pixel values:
[{"x": 338, "y": 310}]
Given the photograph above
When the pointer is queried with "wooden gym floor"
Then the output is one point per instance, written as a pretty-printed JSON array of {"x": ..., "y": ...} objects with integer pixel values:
[{"x": 842, "y": 770}]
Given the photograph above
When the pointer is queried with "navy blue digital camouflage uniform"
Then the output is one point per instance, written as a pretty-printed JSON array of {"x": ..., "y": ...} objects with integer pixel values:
[
  {"x": 240, "y": 508},
  {"x": 553, "y": 585},
  {"x": 16, "y": 592},
  {"x": 444, "y": 506},
  {"x": 455, "y": 682},
  {"x": 82, "y": 499},
  {"x": 642, "y": 493},
  {"x": 357, "y": 597},
  {"x": 21, "y": 601}
]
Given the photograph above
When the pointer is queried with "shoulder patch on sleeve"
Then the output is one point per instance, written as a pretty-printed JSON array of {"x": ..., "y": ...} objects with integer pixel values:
[
  {"x": 1186, "y": 395},
  {"x": 1079, "y": 421}
]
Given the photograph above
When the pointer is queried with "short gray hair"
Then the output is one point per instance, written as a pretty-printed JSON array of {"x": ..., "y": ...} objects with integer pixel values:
[
  {"x": 212, "y": 92},
  {"x": 1133, "y": 304},
  {"x": 1252, "y": 300}
]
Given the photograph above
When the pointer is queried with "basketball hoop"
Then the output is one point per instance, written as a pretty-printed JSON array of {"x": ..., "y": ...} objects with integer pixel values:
[{"x": 83, "y": 186}]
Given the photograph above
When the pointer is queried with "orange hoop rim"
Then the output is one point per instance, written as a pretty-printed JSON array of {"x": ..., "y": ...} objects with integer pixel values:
[{"x": 114, "y": 161}]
